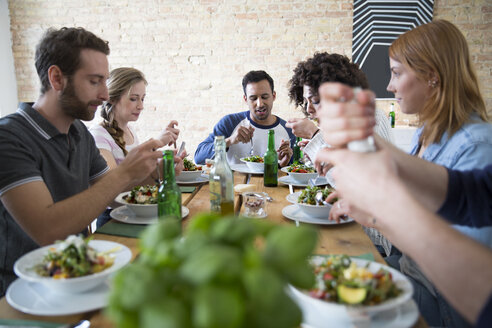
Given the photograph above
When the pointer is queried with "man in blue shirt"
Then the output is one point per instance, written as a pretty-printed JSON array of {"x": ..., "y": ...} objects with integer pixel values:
[{"x": 248, "y": 130}]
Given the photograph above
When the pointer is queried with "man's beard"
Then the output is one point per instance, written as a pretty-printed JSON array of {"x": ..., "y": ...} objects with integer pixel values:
[{"x": 72, "y": 106}]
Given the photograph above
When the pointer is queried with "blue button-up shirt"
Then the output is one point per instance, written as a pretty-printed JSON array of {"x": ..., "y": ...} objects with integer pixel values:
[{"x": 469, "y": 148}]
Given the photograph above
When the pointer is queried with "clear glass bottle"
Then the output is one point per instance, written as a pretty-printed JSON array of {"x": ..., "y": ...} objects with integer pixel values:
[
  {"x": 270, "y": 160},
  {"x": 169, "y": 195},
  {"x": 221, "y": 181}
]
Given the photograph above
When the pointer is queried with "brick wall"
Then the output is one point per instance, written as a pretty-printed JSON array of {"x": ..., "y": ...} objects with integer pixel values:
[{"x": 194, "y": 53}]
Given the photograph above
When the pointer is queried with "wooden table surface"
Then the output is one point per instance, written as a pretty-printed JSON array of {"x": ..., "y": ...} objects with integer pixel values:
[{"x": 346, "y": 238}]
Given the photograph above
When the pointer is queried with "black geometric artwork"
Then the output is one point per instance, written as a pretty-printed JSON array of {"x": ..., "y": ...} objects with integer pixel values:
[{"x": 376, "y": 25}]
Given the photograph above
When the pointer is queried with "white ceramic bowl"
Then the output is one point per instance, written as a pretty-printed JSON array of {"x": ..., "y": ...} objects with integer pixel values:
[
  {"x": 315, "y": 211},
  {"x": 319, "y": 311},
  {"x": 300, "y": 177},
  {"x": 23, "y": 267},
  {"x": 189, "y": 175},
  {"x": 254, "y": 166},
  {"x": 141, "y": 210}
]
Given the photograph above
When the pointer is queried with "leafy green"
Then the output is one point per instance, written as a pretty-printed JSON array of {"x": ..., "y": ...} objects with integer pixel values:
[{"x": 224, "y": 272}]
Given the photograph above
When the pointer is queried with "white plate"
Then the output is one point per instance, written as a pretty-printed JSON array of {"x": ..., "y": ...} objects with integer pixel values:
[
  {"x": 200, "y": 179},
  {"x": 293, "y": 212},
  {"x": 382, "y": 315},
  {"x": 35, "y": 298},
  {"x": 125, "y": 215},
  {"x": 243, "y": 168},
  {"x": 292, "y": 198},
  {"x": 403, "y": 316},
  {"x": 290, "y": 181},
  {"x": 23, "y": 267}
]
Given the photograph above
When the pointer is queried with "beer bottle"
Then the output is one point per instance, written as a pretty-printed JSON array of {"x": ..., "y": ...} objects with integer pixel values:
[
  {"x": 392, "y": 115},
  {"x": 221, "y": 181},
  {"x": 169, "y": 196},
  {"x": 270, "y": 160},
  {"x": 297, "y": 152}
]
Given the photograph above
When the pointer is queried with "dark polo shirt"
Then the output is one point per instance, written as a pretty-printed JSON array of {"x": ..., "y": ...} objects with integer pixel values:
[{"x": 32, "y": 149}]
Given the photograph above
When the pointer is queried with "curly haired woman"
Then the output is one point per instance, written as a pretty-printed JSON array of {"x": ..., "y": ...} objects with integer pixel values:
[
  {"x": 303, "y": 92},
  {"x": 304, "y": 85}
]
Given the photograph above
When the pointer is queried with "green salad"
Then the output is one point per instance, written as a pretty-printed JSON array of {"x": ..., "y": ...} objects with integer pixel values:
[
  {"x": 300, "y": 168},
  {"x": 340, "y": 280},
  {"x": 190, "y": 166},
  {"x": 72, "y": 258},
  {"x": 254, "y": 158},
  {"x": 142, "y": 195},
  {"x": 308, "y": 195}
]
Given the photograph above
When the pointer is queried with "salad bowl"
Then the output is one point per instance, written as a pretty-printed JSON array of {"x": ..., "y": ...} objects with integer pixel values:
[
  {"x": 187, "y": 176},
  {"x": 257, "y": 166},
  {"x": 24, "y": 267},
  {"x": 141, "y": 210},
  {"x": 316, "y": 211},
  {"x": 300, "y": 175},
  {"x": 307, "y": 202},
  {"x": 191, "y": 171},
  {"x": 320, "y": 311}
]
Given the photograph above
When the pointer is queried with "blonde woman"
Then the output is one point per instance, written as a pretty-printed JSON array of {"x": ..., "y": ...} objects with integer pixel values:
[
  {"x": 114, "y": 136},
  {"x": 431, "y": 76}
]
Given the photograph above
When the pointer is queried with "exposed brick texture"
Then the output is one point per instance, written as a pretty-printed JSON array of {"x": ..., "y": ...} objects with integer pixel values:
[{"x": 194, "y": 53}]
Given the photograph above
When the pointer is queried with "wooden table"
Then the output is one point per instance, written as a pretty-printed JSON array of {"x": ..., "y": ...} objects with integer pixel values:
[{"x": 347, "y": 239}]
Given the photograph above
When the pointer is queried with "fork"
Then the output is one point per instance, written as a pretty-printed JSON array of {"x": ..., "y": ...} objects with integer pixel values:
[{"x": 319, "y": 198}]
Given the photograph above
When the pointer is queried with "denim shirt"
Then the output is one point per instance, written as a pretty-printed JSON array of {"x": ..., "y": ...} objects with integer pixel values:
[{"x": 469, "y": 148}]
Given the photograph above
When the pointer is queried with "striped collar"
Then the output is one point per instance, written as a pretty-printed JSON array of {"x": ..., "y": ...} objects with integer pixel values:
[{"x": 40, "y": 124}]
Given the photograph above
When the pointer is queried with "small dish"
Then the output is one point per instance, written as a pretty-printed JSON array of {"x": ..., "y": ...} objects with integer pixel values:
[
  {"x": 346, "y": 313},
  {"x": 294, "y": 213},
  {"x": 254, "y": 166},
  {"x": 288, "y": 180},
  {"x": 125, "y": 215},
  {"x": 23, "y": 267},
  {"x": 187, "y": 176},
  {"x": 243, "y": 168},
  {"x": 254, "y": 204},
  {"x": 37, "y": 299},
  {"x": 141, "y": 210},
  {"x": 300, "y": 177}
]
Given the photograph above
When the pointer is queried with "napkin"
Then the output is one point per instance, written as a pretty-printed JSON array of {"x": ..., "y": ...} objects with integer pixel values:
[
  {"x": 122, "y": 229},
  {"x": 187, "y": 189},
  {"x": 28, "y": 323}
]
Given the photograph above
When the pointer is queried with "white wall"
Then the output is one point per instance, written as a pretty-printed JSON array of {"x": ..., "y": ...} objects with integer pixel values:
[{"x": 8, "y": 83}]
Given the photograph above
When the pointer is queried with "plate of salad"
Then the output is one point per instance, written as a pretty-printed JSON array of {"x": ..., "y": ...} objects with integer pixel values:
[
  {"x": 141, "y": 200},
  {"x": 73, "y": 265},
  {"x": 191, "y": 171},
  {"x": 353, "y": 287},
  {"x": 300, "y": 172},
  {"x": 254, "y": 163},
  {"x": 307, "y": 202}
]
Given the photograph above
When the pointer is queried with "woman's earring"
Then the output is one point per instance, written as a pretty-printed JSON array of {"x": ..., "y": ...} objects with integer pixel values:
[{"x": 432, "y": 83}]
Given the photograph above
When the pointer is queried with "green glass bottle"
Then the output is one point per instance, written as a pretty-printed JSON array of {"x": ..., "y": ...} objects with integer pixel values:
[
  {"x": 270, "y": 160},
  {"x": 221, "y": 181},
  {"x": 392, "y": 115},
  {"x": 169, "y": 196},
  {"x": 297, "y": 152}
]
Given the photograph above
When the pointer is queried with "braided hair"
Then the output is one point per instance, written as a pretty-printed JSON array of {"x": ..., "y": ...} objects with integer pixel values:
[{"x": 120, "y": 82}]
